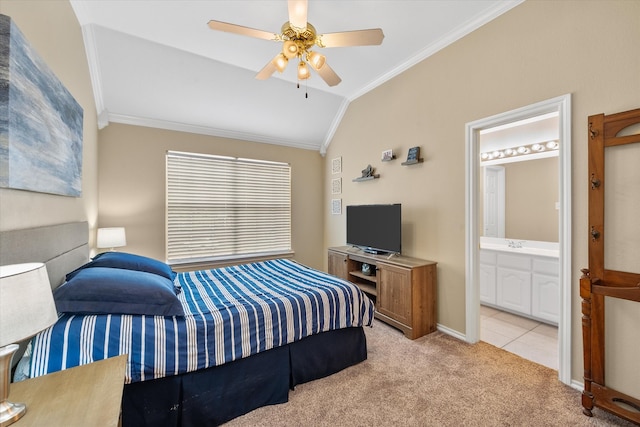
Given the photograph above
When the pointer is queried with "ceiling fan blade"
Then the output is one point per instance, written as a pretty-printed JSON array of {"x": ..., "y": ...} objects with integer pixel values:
[
  {"x": 267, "y": 71},
  {"x": 328, "y": 75},
  {"x": 243, "y": 31},
  {"x": 370, "y": 37},
  {"x": 298, "y": 13}
]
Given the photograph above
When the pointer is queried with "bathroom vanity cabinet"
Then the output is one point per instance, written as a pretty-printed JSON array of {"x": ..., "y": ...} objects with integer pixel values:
[{"x": 521, "y": 283}]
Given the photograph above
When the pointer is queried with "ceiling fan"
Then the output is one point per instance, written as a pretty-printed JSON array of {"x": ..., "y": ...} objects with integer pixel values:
[{"x": 298, "y": 37}]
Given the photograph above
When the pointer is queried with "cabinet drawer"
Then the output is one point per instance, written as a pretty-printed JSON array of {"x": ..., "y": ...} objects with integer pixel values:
[
  {"x": 514, "y": 261},
  {"x": 546, "y": 266}
]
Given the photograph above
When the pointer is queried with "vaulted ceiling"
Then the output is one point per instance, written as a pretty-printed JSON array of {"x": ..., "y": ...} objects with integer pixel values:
[{"x": 158, "y": 64}]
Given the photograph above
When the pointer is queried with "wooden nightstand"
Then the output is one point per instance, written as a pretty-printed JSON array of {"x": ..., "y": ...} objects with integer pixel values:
[{"x": 88, "y": 395}]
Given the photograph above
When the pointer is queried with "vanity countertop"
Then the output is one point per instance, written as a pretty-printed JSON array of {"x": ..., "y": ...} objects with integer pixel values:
[{"x": 526, "y": 247}]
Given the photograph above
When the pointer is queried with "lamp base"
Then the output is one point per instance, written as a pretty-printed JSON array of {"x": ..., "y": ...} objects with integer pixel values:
[{"x": 9, "y": 412}]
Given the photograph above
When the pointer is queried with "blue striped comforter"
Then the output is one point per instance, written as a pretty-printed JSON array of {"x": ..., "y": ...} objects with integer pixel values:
[{"x": 230, "y": 313}]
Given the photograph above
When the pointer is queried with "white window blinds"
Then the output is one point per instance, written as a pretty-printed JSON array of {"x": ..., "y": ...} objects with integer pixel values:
[{"x": 222, "y": 207}]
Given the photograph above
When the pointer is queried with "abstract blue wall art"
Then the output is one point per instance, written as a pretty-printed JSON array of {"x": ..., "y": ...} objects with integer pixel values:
[{"x": 40, "y": 122}]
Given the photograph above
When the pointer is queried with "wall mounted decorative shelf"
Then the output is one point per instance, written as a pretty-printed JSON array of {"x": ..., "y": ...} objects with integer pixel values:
[
  {"x": 367, "y": 174},
  {"x": 412, "y": 162},
  {"x": 365, "y": 178}
]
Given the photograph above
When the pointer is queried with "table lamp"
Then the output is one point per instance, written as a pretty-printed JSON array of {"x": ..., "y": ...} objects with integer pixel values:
[
  {"x": 26, "y": 308},
  {"x": 111, "y": 237}
]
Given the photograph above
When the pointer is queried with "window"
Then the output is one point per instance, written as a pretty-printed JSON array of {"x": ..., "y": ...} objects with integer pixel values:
[{"x": 224, "y": 207}]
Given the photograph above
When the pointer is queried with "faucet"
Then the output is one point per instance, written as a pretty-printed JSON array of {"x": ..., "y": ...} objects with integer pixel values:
[{"x": 515, "y": 244}]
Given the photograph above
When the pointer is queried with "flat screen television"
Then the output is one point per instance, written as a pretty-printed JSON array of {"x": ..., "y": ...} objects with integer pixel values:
[{"x": 375, "y": 228}]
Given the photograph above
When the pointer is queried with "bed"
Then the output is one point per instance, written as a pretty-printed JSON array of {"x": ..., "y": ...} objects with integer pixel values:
[{"x": 230, "y": 353}]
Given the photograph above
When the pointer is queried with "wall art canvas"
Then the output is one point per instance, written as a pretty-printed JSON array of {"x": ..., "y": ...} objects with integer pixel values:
[{"x": 40, "y": 122}]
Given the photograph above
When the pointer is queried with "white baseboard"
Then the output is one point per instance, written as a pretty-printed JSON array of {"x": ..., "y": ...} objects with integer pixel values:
[{"x": 452, "y": 332}]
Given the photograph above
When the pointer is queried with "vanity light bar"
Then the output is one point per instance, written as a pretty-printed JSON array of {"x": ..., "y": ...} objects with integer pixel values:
[{"x": 520, "y": 150}]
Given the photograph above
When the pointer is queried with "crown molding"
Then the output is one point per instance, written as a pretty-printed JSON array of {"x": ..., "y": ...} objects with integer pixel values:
[
  {"x": 210, "y": 131},
  {"x": 334, "y": 125},
  {"x": 91, "y": 50},
  {"x": 459, "y": 32}
]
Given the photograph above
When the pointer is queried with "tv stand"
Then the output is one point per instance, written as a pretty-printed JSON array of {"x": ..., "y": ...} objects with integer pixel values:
[{"x": 403, "y": 288}]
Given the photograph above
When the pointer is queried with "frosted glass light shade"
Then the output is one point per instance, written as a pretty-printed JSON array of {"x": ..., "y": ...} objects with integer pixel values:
[
  {"x": 111, "y": 237},
  {"x": 290, "y": 49},
  {"x": 280, "y": 61},
  {"x": 316, "y": 60},
  {"x": 303, "y": 71}
]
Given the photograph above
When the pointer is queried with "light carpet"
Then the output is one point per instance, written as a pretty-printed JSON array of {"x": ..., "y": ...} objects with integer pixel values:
[{"x": 436, "y": 380}]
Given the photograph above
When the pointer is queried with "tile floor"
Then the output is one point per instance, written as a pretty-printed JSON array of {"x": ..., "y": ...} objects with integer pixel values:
[{"x": 527, "y": 338}]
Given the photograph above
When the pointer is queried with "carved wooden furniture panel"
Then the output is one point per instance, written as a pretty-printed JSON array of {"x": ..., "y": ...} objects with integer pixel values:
[{"x": 598, "y": 282}]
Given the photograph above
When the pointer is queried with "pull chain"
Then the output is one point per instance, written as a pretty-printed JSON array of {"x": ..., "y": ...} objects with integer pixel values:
[{"x": 306, "y": 89}]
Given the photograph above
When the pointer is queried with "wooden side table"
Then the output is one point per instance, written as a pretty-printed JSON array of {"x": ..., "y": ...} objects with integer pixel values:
[{"x": 88, "y": 395}]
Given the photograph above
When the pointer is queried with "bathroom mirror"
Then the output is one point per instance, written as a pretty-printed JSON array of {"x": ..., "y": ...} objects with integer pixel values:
[{"x": 519, "y": 180}]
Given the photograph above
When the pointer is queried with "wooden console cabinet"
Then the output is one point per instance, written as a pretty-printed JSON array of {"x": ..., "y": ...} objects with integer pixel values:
[{"x": 403, "y": 288}]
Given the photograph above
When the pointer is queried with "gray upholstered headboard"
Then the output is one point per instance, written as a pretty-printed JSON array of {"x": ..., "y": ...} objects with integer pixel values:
[{"x": 62, "y": 247}]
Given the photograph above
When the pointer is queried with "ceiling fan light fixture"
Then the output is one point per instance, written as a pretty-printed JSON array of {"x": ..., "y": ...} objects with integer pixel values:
[
  {"x": 290, "y": 49},
  {"x": 280, "y": 62},
  {"x": 316, "y": 59},
  {"x": 303, "y": 71},
  {"x": 298, "y": 37}
]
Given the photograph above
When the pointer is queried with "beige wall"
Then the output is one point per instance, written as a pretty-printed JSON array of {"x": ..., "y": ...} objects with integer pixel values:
[
  {"x": 537, "y": 51},
  {"x": 53, "y": 30},
  {"x": 531, "y": 195},
  {"x": 132, "y": 185}
]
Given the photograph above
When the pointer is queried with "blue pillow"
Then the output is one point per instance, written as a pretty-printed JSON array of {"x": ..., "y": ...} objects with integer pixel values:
[
  {"x": 128, "y": 261},
  {"x": 100, "y": 290}
]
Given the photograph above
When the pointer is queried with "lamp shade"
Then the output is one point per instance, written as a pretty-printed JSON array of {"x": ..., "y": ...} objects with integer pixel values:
[
  {"x": 317, "y": 60},
  {"x": 112, "y": 237},
  {"x": 280, "y": 61},
  {"x": 290, "y": 49},
  {"x": 26, "y": 302},
  {"x": 303, "y": 71}
]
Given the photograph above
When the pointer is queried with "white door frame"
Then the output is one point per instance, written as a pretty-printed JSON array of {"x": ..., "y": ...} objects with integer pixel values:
[{"x": 562, "y": 105}]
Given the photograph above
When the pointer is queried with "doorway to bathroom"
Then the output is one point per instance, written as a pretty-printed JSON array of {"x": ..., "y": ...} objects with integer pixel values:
[{"x": 518, "y": 210}]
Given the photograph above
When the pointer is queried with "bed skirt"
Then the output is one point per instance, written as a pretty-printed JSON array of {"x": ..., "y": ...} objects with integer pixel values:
[{"x": 216, "y": 395}]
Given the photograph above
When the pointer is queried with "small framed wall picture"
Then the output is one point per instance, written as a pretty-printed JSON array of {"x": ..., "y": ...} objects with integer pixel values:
[
  {"x": 414, "y": 154},
  {"x": 336, "y": 186},
  {"x": 336, "y": 165},
  {"x": 387, "y": 155},
  {"x": 336, "y": 206}
]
